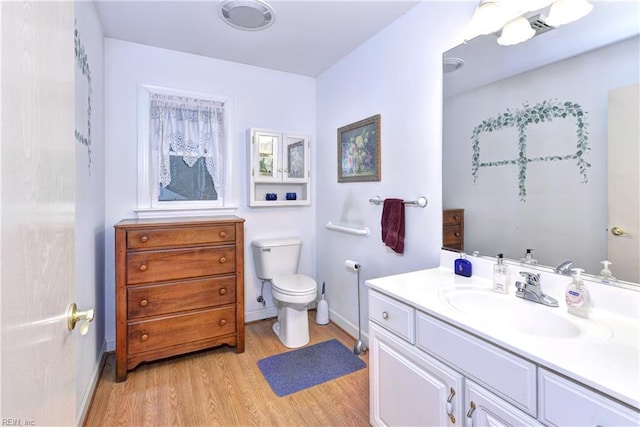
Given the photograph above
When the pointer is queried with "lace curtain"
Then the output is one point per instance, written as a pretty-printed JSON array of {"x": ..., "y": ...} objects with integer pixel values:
[{"x": 190, "y": 128}]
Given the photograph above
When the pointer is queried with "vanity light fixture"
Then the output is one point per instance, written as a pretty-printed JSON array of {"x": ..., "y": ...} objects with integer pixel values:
[
  {"x": 509, "y": 18},
  {"x": 487, "y": 18},
  {"x": 565, "y": 11},
  {"x": 516, "y": 31},
  {"x": 250, "y": 15}
]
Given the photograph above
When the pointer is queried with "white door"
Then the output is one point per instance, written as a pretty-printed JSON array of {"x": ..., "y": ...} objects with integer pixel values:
[
  {"x": 624, "y": 182},
  {"x": 37, "y": 258}
]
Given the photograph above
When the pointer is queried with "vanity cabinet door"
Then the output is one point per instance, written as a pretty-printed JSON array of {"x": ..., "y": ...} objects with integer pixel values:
[
  {"x": 484, "y": 408},
  {"x": 564, "y": 403},
  {"x": 410, "y": 388}
]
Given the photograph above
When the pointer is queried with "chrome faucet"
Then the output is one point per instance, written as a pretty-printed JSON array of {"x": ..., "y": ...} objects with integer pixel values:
[
  {"x": 530, "y": 290},
  {"x": 564, "y": 268}
]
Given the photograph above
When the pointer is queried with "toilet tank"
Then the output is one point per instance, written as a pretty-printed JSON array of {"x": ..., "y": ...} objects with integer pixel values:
[{"x": 276, "y": 257}]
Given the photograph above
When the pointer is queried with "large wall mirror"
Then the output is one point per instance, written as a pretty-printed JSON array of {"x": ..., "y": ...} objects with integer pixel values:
[{"x": 541, "y": 142}]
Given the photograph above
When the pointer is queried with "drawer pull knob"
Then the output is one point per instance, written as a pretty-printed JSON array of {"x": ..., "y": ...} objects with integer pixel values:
[
  {"x": 223, "y": 260},
  {"x": 222, "y": 234},
  {"x": 223, "y": 322},
  {"x": 143, "y": 267},
  {"x": 385, "y": 315},
  {"x": 457, "y": 234},
  {"x": 452, "y": 417},
  {"x": 144, "y": 337},
  {"x": 456, "y": 217},
  {"x": 144, "y": 239},
  {"x": 223, "y": 291},
  {"x": 143, "y": 303}
]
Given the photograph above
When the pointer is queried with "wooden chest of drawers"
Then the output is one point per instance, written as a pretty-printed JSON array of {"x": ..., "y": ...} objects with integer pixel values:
[
  {"x": 179, "y": 287},
  {"x": 453, "y": 229}
]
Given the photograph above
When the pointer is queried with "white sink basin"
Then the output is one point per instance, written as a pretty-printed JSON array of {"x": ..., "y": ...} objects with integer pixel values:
[{"x": 512, "y": 312}]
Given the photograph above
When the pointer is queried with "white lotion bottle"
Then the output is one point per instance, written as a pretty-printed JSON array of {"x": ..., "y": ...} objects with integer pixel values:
[
  {"x": 577, "y": 296},
  {"x": 500, "y": 275}
]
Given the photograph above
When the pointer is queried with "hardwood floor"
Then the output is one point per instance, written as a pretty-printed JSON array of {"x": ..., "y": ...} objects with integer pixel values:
[{"x": 221, "y": 388}]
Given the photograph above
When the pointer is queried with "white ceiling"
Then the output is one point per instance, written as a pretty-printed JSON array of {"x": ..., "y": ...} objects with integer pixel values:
[{"x": 307, "y": 38}]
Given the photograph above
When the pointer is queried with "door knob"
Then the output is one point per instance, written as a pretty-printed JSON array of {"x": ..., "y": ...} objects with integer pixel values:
[
  {"x": 74, "y": 316},
  {"x": 617, "y": 231}
]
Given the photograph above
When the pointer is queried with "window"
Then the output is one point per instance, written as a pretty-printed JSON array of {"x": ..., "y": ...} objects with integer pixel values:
[{"x": 183, "y": 152}]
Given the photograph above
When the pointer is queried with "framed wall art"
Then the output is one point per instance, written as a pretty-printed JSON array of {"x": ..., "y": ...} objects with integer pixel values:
[{"x": 359, "y": 151}]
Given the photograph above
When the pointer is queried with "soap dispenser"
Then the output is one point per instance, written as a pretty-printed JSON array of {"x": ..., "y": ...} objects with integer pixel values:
[
  {"x": 500, "y": 275},
  {"x": 605, "y": 274},
  {"x": 577, "y": 296}
]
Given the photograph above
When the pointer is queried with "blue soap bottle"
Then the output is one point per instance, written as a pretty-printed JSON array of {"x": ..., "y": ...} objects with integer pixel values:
[{"x": 462, "y": 266}]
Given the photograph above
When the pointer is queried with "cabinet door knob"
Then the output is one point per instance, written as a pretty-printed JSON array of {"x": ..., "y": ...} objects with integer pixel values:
[
  {"x": 223, "y": 322},
  {"x": 143, "y": 303},
  {"x": 223, "y": 291},
  {"x": 144, "y": 337},
  {"x": 385, "y": 315},
  {"x": 144, "y": 239},
  {"x": 143, "y": 267},
  {"x": 223, "y": 260},
  {"x": 222, "y": 234}
]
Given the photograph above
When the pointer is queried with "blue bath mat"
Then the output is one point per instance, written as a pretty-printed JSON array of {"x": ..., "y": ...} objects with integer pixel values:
[{"x": 305, "y": 367}]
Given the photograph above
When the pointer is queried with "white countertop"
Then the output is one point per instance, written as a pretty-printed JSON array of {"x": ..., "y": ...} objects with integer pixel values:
[{"x": 603, "y": 356}]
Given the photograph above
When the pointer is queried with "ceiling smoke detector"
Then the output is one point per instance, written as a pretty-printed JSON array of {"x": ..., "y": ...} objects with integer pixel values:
[{"x": 251, "y": 15}]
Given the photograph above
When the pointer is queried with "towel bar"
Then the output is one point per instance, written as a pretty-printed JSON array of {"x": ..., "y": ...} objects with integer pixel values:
[
  {"x": 348, "y": 229},
  {"x": 420, "y": 201}
]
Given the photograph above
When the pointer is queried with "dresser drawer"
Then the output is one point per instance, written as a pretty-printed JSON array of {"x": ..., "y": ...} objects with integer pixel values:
[
  {"x": 452, "y": 235},
  {"x": 166, "y": 298},
  {"x": 180, "y": 236},
  {"x": 393, "y": 315},
  {"x": 452, "y": 217},
  {"x": 159, "y": 266},
  {"x": 505, "y": 374},
  {"x": 147, "y": 335}
]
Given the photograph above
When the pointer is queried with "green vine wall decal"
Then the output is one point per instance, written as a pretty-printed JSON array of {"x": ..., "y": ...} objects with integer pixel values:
[
  {"x": 82, "y": 62},
  {"x": 521, "y": 118}
]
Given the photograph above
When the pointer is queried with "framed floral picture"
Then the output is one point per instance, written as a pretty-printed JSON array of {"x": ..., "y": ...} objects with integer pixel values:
[{"x": 359, "y": 151}]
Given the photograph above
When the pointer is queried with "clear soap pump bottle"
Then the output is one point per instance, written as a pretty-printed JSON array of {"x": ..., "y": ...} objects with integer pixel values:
[
  {"x": 528, "y": 258},
  {"x": 500, "y": 275},
  {"x": 577, "y": 296}
]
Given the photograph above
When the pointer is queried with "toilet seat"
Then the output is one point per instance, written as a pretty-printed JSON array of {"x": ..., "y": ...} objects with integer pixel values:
[{"x": 294, "y": 285}]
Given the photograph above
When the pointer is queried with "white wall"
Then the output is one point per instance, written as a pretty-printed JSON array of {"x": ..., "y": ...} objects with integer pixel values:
[
  {"x": 90, "y": 205},
  {"x": 260, "y": 97},
  {"x": 573, "y": 213},
  {"x": 398, "y": 74}
]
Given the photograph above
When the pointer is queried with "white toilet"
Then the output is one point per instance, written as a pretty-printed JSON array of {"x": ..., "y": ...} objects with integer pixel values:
[{"x": 277, "y": 262}]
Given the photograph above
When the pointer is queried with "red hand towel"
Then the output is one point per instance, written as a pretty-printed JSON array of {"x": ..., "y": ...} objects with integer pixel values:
[{"x": 393, "y": 224}]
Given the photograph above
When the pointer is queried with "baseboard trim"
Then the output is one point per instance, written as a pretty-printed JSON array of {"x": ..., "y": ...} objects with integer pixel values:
[
  {"x": 87, "y": 399},
  {"x": 347, "y": 326},
  {"x": 263, "y": 313}
]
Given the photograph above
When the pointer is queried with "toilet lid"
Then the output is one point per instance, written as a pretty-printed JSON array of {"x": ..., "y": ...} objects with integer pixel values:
[{"x": 295, "y": 284}]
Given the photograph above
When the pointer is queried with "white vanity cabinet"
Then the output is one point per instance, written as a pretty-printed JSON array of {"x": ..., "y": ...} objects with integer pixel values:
[
  {"x": 278, "y": 165},
  {"x": 425, "y": 372}
]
